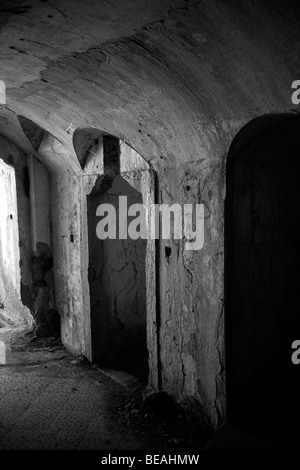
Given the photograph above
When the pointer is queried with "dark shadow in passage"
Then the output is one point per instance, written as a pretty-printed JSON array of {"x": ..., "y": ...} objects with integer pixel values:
[{"x": 262, "y": 280}]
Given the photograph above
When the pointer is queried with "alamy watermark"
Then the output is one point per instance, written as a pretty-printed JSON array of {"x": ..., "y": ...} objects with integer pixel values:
[
  {"x": 296, "y": 94},
  {"x": 152, "y": 222},
  {"x": 296, "y": 354},
  {"x": 2, "y": 92}
]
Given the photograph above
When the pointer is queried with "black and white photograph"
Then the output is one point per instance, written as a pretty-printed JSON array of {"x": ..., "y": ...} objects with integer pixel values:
[{"x": 149, "y": 229}]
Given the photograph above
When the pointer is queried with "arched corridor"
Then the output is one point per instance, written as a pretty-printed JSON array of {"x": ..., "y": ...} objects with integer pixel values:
[{"x": 189, "y": 110}]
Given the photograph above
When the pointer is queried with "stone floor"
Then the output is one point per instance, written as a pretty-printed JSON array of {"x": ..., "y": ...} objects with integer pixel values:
[
  {"x": 51, "y": 400},
  {"x": 47, "y": 401}
]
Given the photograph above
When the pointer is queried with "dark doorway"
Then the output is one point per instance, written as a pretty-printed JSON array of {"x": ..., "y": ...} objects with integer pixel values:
[
  {"x": 262, "y": 279},
  {"x": 117, "y": 277}
]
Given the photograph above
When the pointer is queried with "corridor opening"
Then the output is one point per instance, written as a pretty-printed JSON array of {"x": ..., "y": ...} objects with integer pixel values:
[
  {"x": 262, "y": 277},
  {"x": 120, "y": 270}
]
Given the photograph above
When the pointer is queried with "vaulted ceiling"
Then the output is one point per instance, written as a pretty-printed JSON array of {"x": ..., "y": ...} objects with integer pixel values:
[{"x": 176, "y": 79}]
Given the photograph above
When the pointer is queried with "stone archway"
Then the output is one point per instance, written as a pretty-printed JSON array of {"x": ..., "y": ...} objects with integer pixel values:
[
  {"x": 121, "y": 272},
  {"x": 262, "y": 281}
]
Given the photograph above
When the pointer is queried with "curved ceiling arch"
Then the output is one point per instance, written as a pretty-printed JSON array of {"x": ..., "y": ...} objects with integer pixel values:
[
  {"x": 33, "y": 132},
  {"x": 257, "y": 126},
  {"x": 84, "y": 140},
  {"x": 87, "y": 140},
  {"x": 169, "y": 89}
]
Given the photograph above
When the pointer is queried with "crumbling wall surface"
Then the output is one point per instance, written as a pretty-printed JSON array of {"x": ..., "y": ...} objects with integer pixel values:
[
  {"x": 136, "y": 172},
  {"x": 191, "y": 294},
  {"x": 117, "y": 282},
  {"x": 9, "y": 240},
  {"x": 66, "y": 216},
  {"x": 16, "y": 278},
  {"x": 31, "y": 255}
]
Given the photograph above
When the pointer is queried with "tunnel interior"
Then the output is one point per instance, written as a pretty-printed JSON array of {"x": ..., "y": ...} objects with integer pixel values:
[
  {"x": 262, "y": 280},
  {"x": 173, "y": 82}
]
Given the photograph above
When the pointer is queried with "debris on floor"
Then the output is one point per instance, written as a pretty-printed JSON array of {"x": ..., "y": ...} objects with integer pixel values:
[{"x": 168, "y": 423}]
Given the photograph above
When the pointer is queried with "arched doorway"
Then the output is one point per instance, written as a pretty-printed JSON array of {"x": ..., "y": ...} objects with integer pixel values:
[
  {"x": 120, "y": 268},
  {"x": 117, "y": 273},
  {"x": 262, "y": 277}
]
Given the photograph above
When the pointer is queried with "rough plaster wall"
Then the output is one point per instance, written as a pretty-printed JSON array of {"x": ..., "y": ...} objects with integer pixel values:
[
  {"x": 117, "y": 285},
  {"x": 9, "y": 241},
  {"x": 33, "y": 208},
  {"x": 143, "y": 180},
  {"x": 130, "y": 160},
  {"x": 190, "y": 350},
  {"x": 191, "y": 331},
  {"x": 14, "y": 157},
  {"x": 42, "y": 204},
  {"x": 69, "y": 246},
  {"x": 66, "y": 210}
]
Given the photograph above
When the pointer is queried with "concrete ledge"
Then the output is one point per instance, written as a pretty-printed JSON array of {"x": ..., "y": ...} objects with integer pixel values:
[{"x": 123, "y": 378}]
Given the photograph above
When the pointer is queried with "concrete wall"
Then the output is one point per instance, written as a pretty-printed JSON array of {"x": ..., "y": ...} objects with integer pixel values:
[
  {"x": 16, "y": 275},
  {"x": 66, "y": 216},
  {"x": 191, "y": 333},
  {"x": 9, "y": 241},
  {"x": 117, "y": 275},
  {"x": 31, "y": 252},
  {"x": 188, "y": 283},
  {"x": 184, "y": 288}
]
